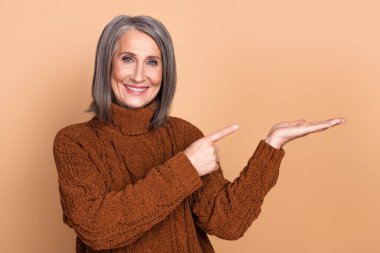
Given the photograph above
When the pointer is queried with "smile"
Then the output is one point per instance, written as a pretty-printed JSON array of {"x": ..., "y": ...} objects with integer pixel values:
[{"x": 135, "y": 90}]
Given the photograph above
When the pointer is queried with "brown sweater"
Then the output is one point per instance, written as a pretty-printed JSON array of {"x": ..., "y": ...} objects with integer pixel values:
[{"x": 127, "y": 188}]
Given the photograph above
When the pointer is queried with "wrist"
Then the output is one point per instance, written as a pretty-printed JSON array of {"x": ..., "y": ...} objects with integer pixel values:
[{"x": 273, "y": 142}]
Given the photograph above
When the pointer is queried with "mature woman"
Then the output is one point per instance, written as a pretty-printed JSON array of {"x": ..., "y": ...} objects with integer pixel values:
[{"x": 133, "y": 179}]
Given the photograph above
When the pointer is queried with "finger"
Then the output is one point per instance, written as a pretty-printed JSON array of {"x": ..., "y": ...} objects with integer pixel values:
[
  {"x": 336, "y": 121},
  {"x": 316, "y": 127},
  {"x": 216, "y": 149},
  {"x": 217, "y": 166},
  {"x": 290, "y": 123},
  {"x": 221, "y": 133},
  {"x": 217, "y": 158},
  {"x": 330, "y": 122},
  {"x": 297, "y": 122}
]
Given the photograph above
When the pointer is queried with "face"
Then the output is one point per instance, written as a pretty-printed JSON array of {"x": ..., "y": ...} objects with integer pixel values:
[{"x": 136, "y": 70}]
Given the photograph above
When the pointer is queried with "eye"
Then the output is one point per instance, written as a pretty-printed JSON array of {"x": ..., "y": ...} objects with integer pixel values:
[
  {"x": 126, "y": 59},
  {"x": 153, "y": 63}
]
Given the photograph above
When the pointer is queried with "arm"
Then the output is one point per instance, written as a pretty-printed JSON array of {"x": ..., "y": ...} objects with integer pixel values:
[
  {"x": 105, "y": 220},
  {"x": 226, "y": 209}
]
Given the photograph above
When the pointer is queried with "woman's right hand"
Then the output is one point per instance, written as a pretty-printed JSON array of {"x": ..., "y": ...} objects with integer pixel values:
[{"x": 203, "y": 153}]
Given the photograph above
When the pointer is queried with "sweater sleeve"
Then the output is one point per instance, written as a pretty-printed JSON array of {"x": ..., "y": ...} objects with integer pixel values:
[
  {"x": 106, "y": 220},
  {"x": 226, "y": 209}
]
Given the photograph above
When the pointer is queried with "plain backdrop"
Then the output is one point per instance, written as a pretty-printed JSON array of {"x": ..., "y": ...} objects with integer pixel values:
[{"x": 254, "y": 63}]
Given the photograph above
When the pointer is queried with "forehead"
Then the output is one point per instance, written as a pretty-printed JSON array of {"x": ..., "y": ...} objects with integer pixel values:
[{"x": 138, "y": 43}]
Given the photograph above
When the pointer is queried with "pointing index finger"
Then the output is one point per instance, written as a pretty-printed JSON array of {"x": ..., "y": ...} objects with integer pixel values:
[{"x": 217, "y": 135}]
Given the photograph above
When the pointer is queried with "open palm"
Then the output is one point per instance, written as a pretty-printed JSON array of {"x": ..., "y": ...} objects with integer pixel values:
[{"x": 286, "y": 131}]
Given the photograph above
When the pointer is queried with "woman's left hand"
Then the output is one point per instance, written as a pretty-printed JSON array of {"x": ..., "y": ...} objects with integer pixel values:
[{"x": 286, "y": 131}]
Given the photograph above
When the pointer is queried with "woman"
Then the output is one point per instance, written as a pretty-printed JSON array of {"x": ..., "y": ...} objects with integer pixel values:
[{"x": 133, "y": 179}]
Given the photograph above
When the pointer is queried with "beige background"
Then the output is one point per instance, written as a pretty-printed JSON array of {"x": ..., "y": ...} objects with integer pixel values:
[{"x": 247, "y": 62}]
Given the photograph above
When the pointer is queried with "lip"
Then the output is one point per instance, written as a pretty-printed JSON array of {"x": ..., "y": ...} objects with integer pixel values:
[
  {"x": 134, "y": 86},
  {"x": 135, "y": 93}
]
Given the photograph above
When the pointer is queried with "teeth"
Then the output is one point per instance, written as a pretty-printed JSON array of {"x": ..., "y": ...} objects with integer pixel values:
[{"x": 136, "y": 89}]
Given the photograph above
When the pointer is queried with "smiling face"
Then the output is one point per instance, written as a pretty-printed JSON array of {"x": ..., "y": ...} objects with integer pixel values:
[{"x": 136, "y": 70}]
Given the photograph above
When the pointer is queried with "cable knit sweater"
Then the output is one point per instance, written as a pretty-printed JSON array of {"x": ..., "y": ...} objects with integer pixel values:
[{"x": 127, "y": 188}]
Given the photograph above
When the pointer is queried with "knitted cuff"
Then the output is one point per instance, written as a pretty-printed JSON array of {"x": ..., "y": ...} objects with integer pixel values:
[
  {"x": 266, "y": 153},
  {"x": 186, "y": 175}
]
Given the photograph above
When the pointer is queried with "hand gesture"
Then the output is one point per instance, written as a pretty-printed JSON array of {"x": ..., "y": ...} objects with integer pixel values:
[
  {"x": 286, "y": 131},
  {"x": 203, "y": 153}
]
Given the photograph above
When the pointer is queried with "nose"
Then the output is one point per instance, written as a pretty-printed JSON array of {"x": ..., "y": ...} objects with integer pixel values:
[{"x": 138, "y": 74}]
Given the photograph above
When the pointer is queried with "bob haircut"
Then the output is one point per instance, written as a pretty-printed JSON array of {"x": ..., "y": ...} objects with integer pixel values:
[{"x": 102, "y": 93}]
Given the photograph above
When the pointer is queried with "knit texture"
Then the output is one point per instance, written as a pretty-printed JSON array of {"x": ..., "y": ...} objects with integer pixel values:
[{"x": 127, "y": 188}]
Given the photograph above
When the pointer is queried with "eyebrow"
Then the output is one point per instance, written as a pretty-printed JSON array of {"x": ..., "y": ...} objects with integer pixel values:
[{"x": 149, "y": 56}]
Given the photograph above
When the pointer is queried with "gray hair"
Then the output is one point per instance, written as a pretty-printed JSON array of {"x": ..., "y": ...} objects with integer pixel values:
[{"x": 102, "y": 93}]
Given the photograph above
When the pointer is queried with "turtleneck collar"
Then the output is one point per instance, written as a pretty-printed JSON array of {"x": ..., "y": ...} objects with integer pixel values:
[{"x": 132, "y": 121}]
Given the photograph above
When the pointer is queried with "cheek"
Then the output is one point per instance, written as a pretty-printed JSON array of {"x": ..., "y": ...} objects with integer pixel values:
[
  {"x": 157, "y": 89},
  {"x": 156, "y": 76},
  {"x": 118, "y": 72}
]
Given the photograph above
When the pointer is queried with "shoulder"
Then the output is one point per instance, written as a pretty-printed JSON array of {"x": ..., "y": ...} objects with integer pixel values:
[
  {"x": 185, "y": 129},
  {"x": 75, "y": 133},
  {"x": 184, "y": 125}
]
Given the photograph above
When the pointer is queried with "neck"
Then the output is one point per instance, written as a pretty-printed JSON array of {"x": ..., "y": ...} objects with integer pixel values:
[{"x": 132, "y": 121}]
